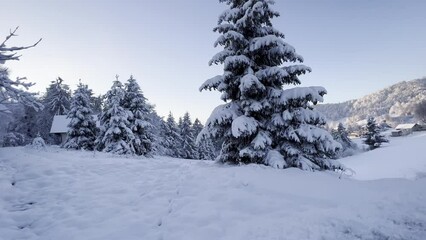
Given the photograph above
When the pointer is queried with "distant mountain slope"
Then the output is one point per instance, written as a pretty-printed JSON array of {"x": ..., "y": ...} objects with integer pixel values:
[{"x": 394, "y": 104}]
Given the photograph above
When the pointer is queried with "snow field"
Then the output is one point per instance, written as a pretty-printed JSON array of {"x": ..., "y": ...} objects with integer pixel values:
[
  {"x": 403, "y": 157},
  {"x": 59, "y": 194}
]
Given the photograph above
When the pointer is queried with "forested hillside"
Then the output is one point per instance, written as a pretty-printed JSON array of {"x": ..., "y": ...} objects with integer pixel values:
[{"x": 394, "y": 104}]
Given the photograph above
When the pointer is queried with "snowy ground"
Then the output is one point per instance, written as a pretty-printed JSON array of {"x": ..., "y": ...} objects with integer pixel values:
[
  {"x": 403, "y": 157},
  {"x": 59, "y": 194}
]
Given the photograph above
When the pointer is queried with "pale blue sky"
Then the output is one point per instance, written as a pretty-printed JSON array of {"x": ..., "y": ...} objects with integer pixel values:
[{"x": 353, "y": 46}]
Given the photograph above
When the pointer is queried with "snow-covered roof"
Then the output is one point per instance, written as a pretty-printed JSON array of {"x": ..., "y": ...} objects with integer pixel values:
[
  {"x": 60, "y": 123},
  {"x": 405, "y": 126}
]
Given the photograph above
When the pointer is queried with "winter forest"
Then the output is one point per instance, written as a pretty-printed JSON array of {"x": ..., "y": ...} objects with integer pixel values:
[
  {"x": 269, "y": 159},
  {"x": 262, "y": 121}
]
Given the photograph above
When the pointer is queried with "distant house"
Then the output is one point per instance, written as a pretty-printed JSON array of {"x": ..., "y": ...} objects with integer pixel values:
[
  {"x": 354, "y": 135},
  {"x": 60, "y": 126},
  {"x": 406, "y": 129}
]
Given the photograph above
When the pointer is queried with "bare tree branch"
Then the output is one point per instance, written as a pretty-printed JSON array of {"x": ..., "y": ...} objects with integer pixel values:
[
  {"x": 3, "y": 47},
  {"x": 15, "y": 91}
]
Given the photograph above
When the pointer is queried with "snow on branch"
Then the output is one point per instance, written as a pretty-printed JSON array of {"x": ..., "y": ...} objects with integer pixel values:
[
  {"x": 297, "y": 69},
  {"x": 4, "y": 57},
  {"x": 250, "y": 83},
  {"x": 275, "y": 159},
  {"x": 313, "y": 94},
  {"x": 222, "y": 114},
  {"x": 262, "y": 140},
  {"x": 14, "y": 90},
  {"x": 230, "y": 36},
  {"x": 287, "y": 51},
  {"x": 232, "y": 62},
  {"x": 269, "y": 40},
  {"x": 211, "y": 83},
  {"x": 244, "y": 126},
  {"x": 220, "y": 57}
]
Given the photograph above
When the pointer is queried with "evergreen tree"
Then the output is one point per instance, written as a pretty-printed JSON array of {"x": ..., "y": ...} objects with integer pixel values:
[
  {"x": 57, "y": 100},
  {"x": 188, "y": 141},
  {"x": 197, "y": 126},
  {"x": 115, "y": 133},
  {"x": 136, "y": 103},
  {"x": 82, "y": 127},
  {"x": 204, "y": 146},
  {"x": 373, "y": 136},
  {"x": 260, "y": 122},
  {"x": 26, "y": 126},
  {"x": 157, "y": 130},
  {"x": 179, "y": 125},
  {"x": 172, "y": 138},
  {"x": 341, "y": 136},
  {"x": 97, "y": 103},
  {"x": 206, "y": 149}
]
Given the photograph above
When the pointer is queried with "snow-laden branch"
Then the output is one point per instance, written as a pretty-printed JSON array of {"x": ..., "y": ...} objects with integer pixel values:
[
  {"x": 4, "y": 57},
  {"x": 15, "y": 90}
]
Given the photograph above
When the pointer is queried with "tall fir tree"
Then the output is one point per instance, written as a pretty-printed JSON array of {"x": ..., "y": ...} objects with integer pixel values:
[
  {"x": 157, "y": 130},
  {"x": 57, "y": 99},
  {"x": 373, "y": 136},
  {"x": 97, "y": 103},
  {"x": 260, "y": 121},
  {"x": 188, "y": 149},
  {"x": 136, "y": 103},
  {"x": 172, "y": 138},
  {"x": 197, "y": 127},
  {"x": 82, "y": 127},
  {"x": 115, "y": 133},
  {"x": 179, "y": 124},
  {"x": 341, "y": 136},
  {"x": 204, "y": 146}
]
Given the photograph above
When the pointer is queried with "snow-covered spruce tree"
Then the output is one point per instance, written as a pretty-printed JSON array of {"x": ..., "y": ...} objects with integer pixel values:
[
  {"x": 115, "y": 134},
  {"x": 197, "y": 127},
  {"x": 14, "y": 90},
  {"x": 188, "y": 149},
  {"x": 57, "y": 100},
  {"x": 26, "y": 125},
  {"x": 179, "y": 124},
  {"x": 260, "y": 121},
  {"x": 204, "y": 146},
  {"x": 82, "y": 127},
  {"x": 136, "y": 103},
  {"x": 97, "y": 103},
  {"x": 13, "y": 139},
  {"x": 157, "y": 130},
  {"x": 172, "y": 138},
  {"x": 341, "y": 136},
  {"x": 373, "y": 136}
]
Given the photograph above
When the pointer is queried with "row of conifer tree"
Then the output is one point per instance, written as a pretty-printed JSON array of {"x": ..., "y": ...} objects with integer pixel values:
[{"x": 122, "y": 121}]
